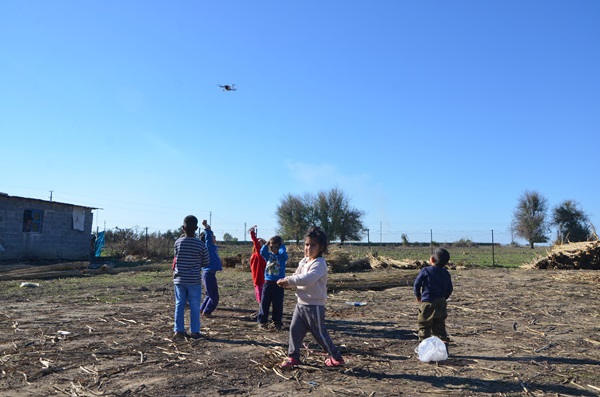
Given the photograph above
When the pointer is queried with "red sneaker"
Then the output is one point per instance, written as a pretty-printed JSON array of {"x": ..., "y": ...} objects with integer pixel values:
[
  {"x": 332, "y": 362},
  {"x": 290, "y": 363}
]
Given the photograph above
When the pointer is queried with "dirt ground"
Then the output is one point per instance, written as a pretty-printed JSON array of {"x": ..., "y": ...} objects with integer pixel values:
[{"x": 514, "y": 333}]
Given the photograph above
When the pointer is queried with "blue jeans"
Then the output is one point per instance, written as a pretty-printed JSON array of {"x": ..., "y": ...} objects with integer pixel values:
[
  {"x": 272, "y": 294},
  {"x": 187, "y": 293},
  {"x": 211, "y": 288}
]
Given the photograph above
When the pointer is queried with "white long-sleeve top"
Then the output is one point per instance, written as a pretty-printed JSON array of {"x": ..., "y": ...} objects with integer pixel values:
[{"x": 310, "y": 280}]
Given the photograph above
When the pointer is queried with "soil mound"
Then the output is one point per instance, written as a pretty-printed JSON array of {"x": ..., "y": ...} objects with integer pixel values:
[{"x": 572, "y": 256}]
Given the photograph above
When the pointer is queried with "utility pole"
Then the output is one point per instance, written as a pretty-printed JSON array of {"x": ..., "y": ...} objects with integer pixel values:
[
  {"x": 97, "y": 219},
  {"x": 210, "y": 218},
  {"x": 51, "y": 194},
  {"x": 431, "y": 239}
]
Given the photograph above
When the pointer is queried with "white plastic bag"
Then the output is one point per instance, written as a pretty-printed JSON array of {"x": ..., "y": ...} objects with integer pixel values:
[{"x": 432, "y": 349}]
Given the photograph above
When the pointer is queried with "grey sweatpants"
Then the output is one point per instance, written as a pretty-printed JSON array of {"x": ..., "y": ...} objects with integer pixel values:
[{"x": 310, "y": 318}]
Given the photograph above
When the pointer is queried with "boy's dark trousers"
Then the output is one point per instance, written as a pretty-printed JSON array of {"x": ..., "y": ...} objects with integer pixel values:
[
  {"x": 432, "y": 320},
  {"x": 271, "y": 293},
  {"x": 209, "y": 279}
]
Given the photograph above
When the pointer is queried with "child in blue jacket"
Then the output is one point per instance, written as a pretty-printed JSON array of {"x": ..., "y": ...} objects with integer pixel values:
[
  {"x": 209, "y": 276},
  {"x": 276, "y": 256}
]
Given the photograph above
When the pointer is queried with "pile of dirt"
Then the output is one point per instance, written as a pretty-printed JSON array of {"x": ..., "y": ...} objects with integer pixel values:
[
  {"x": 233, "y": 261},
  {"x": 573, "y": 256}
]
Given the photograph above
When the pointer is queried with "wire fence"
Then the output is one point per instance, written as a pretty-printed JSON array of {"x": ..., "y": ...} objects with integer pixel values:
[
  {"x": 372, "y": 236},
  {"x": 467, "y": 247}
]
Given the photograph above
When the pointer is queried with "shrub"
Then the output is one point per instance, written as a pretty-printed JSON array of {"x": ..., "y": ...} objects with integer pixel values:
[
  {"x": 464, "y": 242},
  {"x": 404, "y": 238}
]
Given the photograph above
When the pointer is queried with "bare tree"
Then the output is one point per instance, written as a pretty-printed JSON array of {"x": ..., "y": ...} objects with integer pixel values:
[{"x": 529, "y": 218}]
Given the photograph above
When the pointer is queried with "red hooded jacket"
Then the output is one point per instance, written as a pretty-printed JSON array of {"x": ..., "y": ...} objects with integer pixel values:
[{"x": 257, "y": 262}]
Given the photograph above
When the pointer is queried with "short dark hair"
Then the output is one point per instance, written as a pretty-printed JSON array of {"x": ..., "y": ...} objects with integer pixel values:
[
  {"x": 440, "y": 257},
  {"x": 190, "y": 220},
  {"x": 276, "y": 240},
  {"x": 315, "y": 232}
]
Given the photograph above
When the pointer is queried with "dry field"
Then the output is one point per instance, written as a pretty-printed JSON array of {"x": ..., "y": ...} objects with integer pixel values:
[{"x": 515, "y": 333}]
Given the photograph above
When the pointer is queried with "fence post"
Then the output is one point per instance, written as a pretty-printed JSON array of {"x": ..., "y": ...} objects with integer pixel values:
[
  {"x": 493, "y": 257},
  {"x": 146, "y": 240}
]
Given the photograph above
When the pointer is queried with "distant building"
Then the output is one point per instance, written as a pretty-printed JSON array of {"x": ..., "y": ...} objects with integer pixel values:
[{"x": 41, "y": 229}]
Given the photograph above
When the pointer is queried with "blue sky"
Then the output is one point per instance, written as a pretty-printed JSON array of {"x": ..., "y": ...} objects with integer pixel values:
[{"x": 429, "y": 115}]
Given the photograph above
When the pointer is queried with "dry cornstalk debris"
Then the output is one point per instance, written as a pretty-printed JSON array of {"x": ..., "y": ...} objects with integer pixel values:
[
  {"x": 379, "y": 338},
  {"x": 572, "y": 256}
]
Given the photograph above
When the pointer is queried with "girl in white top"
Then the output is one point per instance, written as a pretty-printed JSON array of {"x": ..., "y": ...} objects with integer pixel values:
[{"x": 310, "y": 280}]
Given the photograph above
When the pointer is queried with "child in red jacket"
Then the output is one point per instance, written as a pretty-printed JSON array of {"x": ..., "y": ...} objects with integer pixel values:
[{"x": 257, "y": 264}]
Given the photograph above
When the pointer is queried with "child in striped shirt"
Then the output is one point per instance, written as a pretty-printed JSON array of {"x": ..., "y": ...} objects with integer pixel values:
[{"x": 190, "y": 256}]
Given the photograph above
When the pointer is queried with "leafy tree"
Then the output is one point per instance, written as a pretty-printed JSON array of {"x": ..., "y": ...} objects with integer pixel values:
[
  {"x": 529, "y": 218},
  {"x": 337, "y": 217},
  {"x": 324, "y": 212},
  {"x": 228, "y": 238},
  {"x": 329, "y": 210},
  {"x": 352, "y": 227},
  {"x": 572, "y": 223},
  {"x": 294, "y": 215}
]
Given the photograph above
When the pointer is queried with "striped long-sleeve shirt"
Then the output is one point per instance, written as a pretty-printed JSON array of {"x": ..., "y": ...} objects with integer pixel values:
[{"x": 191, "y": 256}]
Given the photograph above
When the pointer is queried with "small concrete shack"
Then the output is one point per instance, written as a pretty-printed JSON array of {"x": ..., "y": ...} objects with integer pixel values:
[{"x": 40, "y": 229}]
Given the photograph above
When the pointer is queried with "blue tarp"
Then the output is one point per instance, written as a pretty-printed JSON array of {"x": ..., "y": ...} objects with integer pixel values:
[{"x": 99, "y": 244}]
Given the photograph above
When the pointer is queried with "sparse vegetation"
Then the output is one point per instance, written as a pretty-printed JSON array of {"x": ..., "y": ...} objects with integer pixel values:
[
  {"x": 237, "y": 253},
  {"x": 111, "y": 335}
]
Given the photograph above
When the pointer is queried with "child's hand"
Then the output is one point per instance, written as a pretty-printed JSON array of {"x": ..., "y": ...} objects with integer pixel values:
[
  {"x": 283, "y": 283},
  {"x": 419, "y": 300}
]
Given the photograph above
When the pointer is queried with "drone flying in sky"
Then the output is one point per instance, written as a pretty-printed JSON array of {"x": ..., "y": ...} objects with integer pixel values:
[{"x": 228, "y": 87}]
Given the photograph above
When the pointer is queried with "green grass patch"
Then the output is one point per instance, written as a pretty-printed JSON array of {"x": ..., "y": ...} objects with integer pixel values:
[{"x": 478, "y": 255}]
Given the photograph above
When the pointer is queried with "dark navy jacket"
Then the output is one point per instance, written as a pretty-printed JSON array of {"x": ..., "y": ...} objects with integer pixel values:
[{"x": 433, "y": 283}]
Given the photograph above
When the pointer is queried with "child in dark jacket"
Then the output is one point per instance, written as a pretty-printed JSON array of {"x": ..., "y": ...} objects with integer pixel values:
[
  {"x": 209, "y": 276},
  {"x": 257, "y": 264},
  {"x": 433, "y": 286}
]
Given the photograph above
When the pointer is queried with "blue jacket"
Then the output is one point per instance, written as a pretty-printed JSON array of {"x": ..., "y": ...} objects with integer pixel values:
[
  {"x": 433, "y": 283},
  {"x": 214, "y": 263},
  {"x": 275, "y": 268}
]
